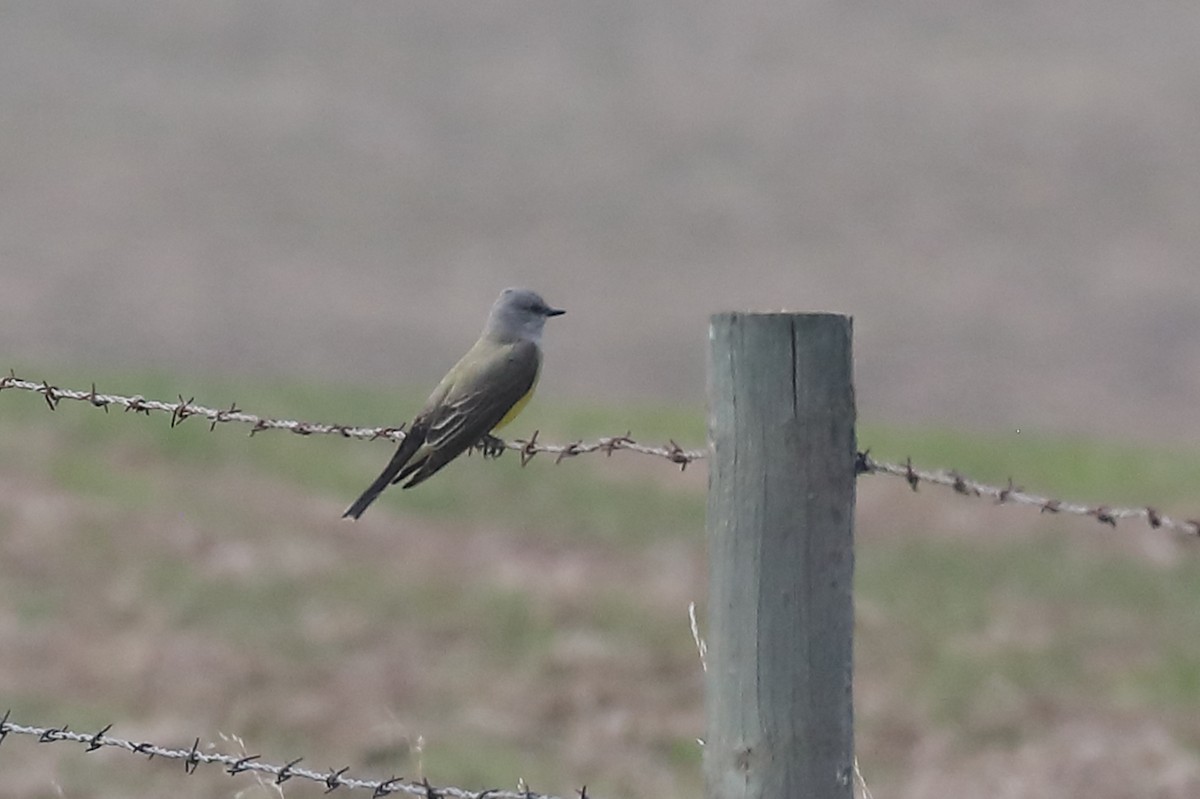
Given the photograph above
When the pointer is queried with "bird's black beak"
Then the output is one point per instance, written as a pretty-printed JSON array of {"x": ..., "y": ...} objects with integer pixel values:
[{"x": 555, "y": 312}]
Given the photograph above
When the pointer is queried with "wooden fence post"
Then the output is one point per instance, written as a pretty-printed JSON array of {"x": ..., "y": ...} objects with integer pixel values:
[{"x": 781, "y": 491}]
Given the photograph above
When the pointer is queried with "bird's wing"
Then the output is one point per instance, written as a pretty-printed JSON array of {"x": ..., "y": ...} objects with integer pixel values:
[{"x": 484, "y": 392}]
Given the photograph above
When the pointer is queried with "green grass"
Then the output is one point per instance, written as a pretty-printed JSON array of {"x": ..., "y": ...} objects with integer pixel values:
[{"x": 1048, "y": 622}]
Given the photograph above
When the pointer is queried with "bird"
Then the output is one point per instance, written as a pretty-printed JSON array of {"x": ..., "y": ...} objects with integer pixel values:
[{"x": 484, "y": 391}]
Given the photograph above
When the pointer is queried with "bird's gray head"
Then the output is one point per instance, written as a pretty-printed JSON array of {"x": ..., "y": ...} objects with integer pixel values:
[{"x": 518, "y": 314}]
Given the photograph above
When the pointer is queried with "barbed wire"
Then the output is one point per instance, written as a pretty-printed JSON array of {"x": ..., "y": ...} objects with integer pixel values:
[
  {"x": 194, "y": 757},
  {"x": 186, "y": 409},
  {"x": 865, "y": 464},
  {"x": 1104, "y": 514}
]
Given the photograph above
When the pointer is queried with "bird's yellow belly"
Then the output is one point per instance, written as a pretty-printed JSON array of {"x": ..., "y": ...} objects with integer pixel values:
[{"x": 517, "y": 407}]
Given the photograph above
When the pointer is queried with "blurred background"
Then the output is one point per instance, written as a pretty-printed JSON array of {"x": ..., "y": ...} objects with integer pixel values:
[
  {"x": 312, "y": 205},
  {"x": 1005, "y": 199}
]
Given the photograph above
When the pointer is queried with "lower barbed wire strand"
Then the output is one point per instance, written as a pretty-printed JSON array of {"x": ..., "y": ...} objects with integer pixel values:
[{"x": 195, "y": 756}]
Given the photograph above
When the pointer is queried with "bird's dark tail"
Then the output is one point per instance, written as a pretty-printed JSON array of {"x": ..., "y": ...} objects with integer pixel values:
[{"x": 408, "y": 447}]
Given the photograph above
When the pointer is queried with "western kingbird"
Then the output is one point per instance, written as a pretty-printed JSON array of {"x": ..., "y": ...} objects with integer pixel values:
[{"x": 484, "y": 391}]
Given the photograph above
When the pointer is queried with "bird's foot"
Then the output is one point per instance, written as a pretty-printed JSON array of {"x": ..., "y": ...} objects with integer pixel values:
[{"x": 491, "y": 446}]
